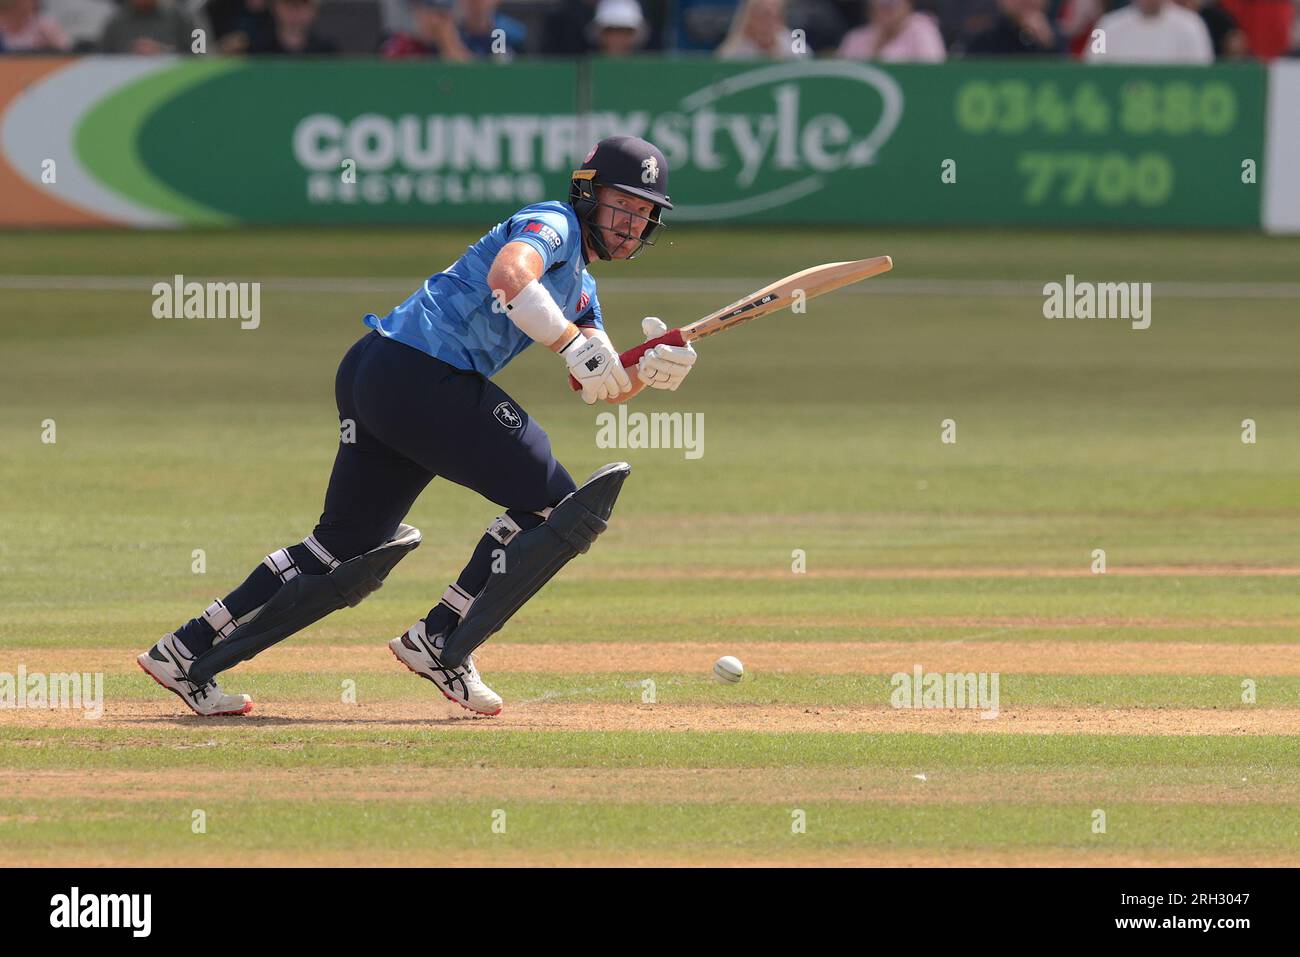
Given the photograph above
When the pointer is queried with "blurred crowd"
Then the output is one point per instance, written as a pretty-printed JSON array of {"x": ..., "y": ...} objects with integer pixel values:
[{"x": 895, "y": 31}]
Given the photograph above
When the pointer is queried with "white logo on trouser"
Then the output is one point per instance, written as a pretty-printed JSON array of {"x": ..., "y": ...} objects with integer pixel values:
[{"x": 507, "y": 416}]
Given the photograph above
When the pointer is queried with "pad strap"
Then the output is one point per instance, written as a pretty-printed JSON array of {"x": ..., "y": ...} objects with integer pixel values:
[
  {"x": 219, "y": 617},
  {"x": 282, "y": 563},
  {"x": 321, "y": 552},
  {"x": 503, "y": 529},
  {"x": 457, "y": 599}
]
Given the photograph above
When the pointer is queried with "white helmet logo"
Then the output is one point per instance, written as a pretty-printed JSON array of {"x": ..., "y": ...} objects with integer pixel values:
[{"x": 649, "y": 170}]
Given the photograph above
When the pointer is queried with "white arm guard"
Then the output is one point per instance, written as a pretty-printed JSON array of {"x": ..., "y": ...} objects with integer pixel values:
[{"x": 535, "y": 313}]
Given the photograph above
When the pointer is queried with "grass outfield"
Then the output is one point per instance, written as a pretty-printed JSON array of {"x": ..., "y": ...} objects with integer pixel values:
[{"x": 1128, "y": 692}]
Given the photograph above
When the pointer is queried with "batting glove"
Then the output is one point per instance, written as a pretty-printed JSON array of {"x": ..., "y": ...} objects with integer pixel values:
[
  {"x": 593, "y": 361},
  {"x": 664, "y": 366}
]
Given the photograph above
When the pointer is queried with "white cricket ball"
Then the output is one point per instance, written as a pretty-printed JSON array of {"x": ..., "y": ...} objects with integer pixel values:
[{"x": 728, "y": 670}]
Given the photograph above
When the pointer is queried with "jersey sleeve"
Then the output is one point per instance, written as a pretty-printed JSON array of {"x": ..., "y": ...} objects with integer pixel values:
[
  {"x": 589, "y": 306},
  {"x": 543, "y": 229}
]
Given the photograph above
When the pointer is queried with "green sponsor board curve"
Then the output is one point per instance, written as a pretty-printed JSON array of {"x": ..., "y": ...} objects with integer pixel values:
[
  {"x": 428, "y": 141},
  {"x": 106, "y": 141}
]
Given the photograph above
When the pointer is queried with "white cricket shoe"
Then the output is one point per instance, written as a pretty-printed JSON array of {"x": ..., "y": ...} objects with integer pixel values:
[
  {"x": 168, "y": 664},
  {"x": 462, "y": 685}
]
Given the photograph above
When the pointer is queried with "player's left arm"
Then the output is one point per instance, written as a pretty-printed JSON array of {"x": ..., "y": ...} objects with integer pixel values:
[{"x": 664, "y": 366}]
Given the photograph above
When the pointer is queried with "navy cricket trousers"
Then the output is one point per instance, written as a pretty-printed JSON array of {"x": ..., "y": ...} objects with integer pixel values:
[{"x": 417, "y": 418}]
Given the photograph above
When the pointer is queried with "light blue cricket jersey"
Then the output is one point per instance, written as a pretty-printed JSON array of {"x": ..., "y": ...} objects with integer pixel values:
[{"x": 451, "y": 317}]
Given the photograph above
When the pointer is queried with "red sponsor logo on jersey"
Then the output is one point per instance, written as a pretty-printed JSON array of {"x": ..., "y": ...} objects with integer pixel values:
[
  {"x": 546, "y": 233},
  {"x": 583, "y": 302}
]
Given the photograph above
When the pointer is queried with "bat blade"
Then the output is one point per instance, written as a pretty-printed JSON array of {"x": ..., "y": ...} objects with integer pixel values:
[
  {"x": 809, "y": 283},
  {"x": 812, "y": 282}
]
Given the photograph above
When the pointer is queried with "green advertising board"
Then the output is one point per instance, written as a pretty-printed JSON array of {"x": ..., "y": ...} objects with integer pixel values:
[
  {"x": 366, "y": 141},
  {"x": 838, "y": 141},
  {"x": 157, "y": 141}
]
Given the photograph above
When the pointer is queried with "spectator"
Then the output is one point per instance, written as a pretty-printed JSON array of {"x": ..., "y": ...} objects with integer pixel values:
[
  {"x": 822, "y": 23},
  {"x": 959, "y": 20},
  {"x": 82, "y": 20},
  {"x": 1022, "y": 27},
  {"x": 618, "y": 28},
  {"x": 24, "y": 29},
  {"x": 293, "y": 31},
  {"x": 895, "y": 33},
  {"x": 480, "y": 20},
  {"x": 566, "y": 28},
  {"x": 395, "y": 17},
  {"x": 759, "y": 30},
  {"x": 434, "y": 34},
  {"x": 701, "y": 25},
  {"x": 1266, "y": 23},
  {"x": 1152, "y": 31},
  {"x": 236, "y": 22},
  {"x": 1225, "y": 34},
  {"x": 1075, "y": 20},
  {"x": 149, "y": 27}
]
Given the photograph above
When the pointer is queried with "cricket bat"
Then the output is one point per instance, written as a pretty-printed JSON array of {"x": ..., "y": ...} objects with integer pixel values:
[{"x": 810, "y": 283}]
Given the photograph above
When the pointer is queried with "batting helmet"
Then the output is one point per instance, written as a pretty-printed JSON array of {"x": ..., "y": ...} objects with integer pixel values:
[{"x": 630, "y": 165}]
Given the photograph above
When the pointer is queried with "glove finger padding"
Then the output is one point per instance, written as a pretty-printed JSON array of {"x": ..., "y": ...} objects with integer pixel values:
[
  {"x": 664, "y": 366},
  {"x": 652, "y": 327},
  {"x": 661, "y": 373},
  {"x": 620, "y": 379},
  {"x": 652, "y": 375},
  {"x": 683, "y": 356}
]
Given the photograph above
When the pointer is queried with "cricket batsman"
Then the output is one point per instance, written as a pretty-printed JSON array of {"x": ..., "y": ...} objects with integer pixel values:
[{"x": 416, "y": 401}]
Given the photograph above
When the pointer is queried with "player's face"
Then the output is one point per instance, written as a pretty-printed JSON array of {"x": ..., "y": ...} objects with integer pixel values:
[{"x": 621, "y": 219}]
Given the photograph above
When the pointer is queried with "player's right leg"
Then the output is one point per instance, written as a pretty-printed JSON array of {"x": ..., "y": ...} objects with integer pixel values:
[
  {"x": 512, "y": 466},
  {"x": 521, "y": 551},
  {"x": 474, "y": 434}
]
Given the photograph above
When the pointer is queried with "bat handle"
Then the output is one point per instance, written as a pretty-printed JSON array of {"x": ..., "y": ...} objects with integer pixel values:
[{"x": 673, "y": 337}]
